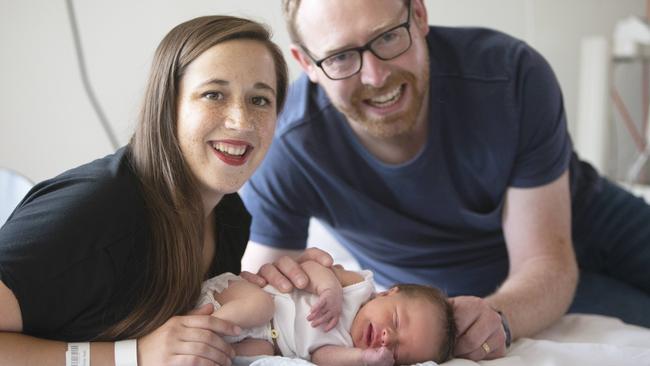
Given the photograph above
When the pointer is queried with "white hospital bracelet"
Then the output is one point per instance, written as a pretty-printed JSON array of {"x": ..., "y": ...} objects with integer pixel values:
[
  {"x": 126, "y": 353},
  {"x": 78, "y": 354}
]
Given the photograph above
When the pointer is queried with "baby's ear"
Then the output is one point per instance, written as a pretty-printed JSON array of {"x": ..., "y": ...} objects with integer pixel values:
[{"x": 391, "y": 291}]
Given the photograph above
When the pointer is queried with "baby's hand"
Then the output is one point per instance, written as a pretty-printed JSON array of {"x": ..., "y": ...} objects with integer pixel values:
[
  {"x": 381, "y": 356},
  {"x": 327, "y": 309}
]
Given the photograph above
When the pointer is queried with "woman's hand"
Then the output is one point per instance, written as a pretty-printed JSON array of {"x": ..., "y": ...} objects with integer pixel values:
[
  {"x": 285, "y": 273},
  {"x": 193, "y": 339}
]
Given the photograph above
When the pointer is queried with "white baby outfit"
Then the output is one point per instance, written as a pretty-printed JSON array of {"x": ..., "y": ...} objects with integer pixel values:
[{"x": 296, "y": 337}]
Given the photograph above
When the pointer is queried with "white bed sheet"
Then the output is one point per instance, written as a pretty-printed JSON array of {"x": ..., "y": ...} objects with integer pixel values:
[{"x": 575, "y": 340}]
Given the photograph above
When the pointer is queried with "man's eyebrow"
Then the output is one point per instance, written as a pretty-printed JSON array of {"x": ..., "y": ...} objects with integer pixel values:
[{"x": 372, "y": 33}]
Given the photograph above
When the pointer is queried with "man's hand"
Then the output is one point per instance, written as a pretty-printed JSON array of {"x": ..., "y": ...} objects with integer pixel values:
[
  {"x": 480, "y": 331},
  {"x": 286, "y": 273}
]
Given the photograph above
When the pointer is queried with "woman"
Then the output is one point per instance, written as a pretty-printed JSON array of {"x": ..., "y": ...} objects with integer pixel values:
[{"x": 117, "y": 249}]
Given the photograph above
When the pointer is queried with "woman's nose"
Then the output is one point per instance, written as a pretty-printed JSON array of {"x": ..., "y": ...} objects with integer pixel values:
[{"x": 237, "y": 118}]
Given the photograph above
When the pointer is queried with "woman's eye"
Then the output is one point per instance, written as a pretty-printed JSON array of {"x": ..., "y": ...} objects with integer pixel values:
[
  {"x": 261, "y": 101},
  {"x": 213, "y": 95}
]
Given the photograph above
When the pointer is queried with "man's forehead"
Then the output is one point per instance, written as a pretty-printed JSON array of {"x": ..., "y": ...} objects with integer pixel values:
[{"x": 329, "y": 26}]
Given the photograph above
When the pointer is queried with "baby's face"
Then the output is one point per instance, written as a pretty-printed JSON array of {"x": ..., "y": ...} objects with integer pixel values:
[{"x": 410, "y": 327}]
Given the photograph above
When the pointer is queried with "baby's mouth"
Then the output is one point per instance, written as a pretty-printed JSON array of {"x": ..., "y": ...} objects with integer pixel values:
[{"x": 369, "y": 335}]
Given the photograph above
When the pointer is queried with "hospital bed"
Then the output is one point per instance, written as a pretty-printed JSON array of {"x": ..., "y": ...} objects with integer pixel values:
[{"x": 577, "y": 339}]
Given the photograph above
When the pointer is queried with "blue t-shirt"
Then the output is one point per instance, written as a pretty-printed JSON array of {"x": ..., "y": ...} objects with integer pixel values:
[{"x": 496, "y": 120}]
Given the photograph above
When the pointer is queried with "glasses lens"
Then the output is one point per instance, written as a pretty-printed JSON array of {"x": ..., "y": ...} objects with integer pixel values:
[
  {"x": 342, "y": 64},
  {"x": 392, "y": 43}
]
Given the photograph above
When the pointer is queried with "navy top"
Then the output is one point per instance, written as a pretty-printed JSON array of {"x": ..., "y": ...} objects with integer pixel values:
[
  {"x": 496, "y": 120},
  {"x": 74, "y": 251}
]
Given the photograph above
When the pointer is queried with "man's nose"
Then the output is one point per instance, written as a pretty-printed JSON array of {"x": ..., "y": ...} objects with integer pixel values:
[
  {"x": 374, "y": 71},
  {"x": 238, "y": 118}
]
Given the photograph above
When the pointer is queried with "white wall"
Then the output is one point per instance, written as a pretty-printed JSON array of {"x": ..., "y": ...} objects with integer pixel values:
[{"x": 47, "y": 124}]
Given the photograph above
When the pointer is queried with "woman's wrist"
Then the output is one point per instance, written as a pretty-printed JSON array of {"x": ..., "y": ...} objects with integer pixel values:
[
  {"x": 78, "y": 354},
  {"x": 126, "y": 353}
]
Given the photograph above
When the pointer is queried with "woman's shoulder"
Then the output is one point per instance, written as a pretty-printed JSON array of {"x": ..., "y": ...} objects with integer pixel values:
[
  {"x": 107, "y": 184},
  {"x": 96, "y": 203}
]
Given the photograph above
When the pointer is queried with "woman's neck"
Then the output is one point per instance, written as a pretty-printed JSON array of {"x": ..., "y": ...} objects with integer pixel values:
[
  {"x": 209, "y": 242},
  {"x": 210, "y": 200}
]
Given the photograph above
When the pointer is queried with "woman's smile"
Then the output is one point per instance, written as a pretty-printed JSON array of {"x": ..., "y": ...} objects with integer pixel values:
[{"x": 232, "y": 152}]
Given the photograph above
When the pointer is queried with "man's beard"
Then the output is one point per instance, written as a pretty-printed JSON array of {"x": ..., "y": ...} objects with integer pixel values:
[{"x": 396, "y": 124}]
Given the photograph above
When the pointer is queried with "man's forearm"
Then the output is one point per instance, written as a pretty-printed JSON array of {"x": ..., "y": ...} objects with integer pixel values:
[
  {"x": 17, "y": 349},
  {"x": 537, "y": 295}
]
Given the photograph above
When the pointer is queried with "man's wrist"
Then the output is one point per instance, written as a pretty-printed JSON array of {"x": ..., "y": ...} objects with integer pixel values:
[{"x": 506, "y": 328}]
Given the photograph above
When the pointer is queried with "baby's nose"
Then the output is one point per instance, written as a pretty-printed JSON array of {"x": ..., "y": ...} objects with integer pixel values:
[{"x": 387, "y": 337}]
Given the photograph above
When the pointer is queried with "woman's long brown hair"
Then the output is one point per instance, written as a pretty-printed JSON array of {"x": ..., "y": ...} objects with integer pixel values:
[{"x": 175, "y": 213}]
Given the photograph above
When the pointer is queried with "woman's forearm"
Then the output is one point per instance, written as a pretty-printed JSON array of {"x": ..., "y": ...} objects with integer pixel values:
[{"x": 18, "y": 349}]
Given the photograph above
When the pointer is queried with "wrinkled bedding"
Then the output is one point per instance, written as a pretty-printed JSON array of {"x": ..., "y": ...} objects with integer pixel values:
[{"x": 575, "y": 340}]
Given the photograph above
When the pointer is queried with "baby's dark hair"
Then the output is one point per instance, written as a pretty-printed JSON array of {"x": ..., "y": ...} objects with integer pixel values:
[{"x": 438, "y": 298}]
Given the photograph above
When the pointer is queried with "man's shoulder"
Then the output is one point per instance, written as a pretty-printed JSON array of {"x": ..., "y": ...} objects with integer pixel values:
[{"x": 474, "y": 52}]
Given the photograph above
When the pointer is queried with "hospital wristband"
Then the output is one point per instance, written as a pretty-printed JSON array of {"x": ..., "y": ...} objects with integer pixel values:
[
  {"x": 126, "y": 353},
  {"x": 78, "y": 354}
]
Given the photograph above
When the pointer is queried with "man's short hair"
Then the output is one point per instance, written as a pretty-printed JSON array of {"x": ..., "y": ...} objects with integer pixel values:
[{"x": 290, "y": 9}]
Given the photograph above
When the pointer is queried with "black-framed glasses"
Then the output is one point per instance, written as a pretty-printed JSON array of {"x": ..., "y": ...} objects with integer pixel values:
[{"x": 385, "y": 46}]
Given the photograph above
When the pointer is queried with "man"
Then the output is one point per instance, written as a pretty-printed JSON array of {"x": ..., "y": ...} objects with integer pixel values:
[{"x": 441, "y": 156}]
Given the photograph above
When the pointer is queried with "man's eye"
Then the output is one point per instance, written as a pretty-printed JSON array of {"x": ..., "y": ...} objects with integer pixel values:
[
  {"x": 338, "y": 58},
  {"x": 389, "y": 37},
  {"x": 213, "y": 95}
]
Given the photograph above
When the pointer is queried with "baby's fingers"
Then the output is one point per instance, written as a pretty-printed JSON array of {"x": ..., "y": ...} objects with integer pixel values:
[
  {"x": 320, "y": 320},
  {"x": 316, "y": 310},
  {"x": 332, "y": 323}
]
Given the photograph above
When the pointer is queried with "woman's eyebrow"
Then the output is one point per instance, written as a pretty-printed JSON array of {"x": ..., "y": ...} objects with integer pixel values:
[
  {"x": 261, "y": 85},
  {"x": 215, "y": 81}
]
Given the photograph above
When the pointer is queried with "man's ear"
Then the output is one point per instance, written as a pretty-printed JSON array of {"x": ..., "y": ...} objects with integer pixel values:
[
  {"x": 420, "y": 17},
  {"x": 305, "y": 62}
]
